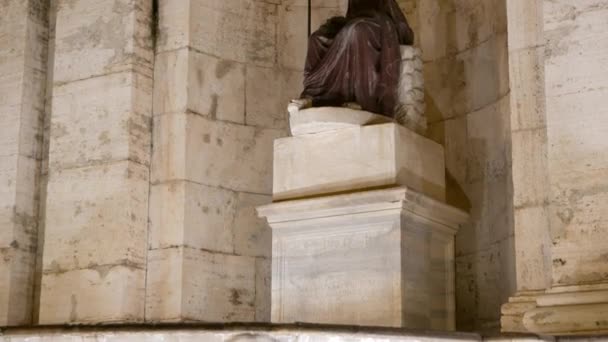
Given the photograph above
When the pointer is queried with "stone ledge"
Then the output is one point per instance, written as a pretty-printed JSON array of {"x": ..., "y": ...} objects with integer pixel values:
[
  {"x": 366, "y": 201},
  {"x": 324, "y": 119},
  {"x": 355, "y": 159},
  {"x": 234, "y": 332}
]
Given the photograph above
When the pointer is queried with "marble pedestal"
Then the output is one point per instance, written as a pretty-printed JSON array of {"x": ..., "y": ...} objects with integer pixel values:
[
  {"x": 361, "y": 235},
  {"x": 379, "y": 258}
]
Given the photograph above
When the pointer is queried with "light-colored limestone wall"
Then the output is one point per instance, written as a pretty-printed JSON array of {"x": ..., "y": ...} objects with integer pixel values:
[
  {"x": 23, "y": 50},
  {"x": 464, "y": 46},
  {"x": 96, "y": 213},
  {"x": 220, "y": 99},
  {"x": 576, "y": 67},
  {"x": 529, "y": 159}
]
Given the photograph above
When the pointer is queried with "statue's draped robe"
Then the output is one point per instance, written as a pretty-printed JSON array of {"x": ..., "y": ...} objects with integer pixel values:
[{"x": 357, "y": 58}]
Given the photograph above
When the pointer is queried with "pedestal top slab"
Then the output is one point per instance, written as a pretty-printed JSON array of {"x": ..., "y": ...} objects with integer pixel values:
[
  {"x": 397, "y": 198},
  {"x": 323, "y": 119},
  {"x": 357, "y": 158}
]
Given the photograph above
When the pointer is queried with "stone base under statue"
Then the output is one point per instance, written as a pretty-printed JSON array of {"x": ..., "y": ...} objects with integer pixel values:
[
  {"x": 379, "y": 258},
  {"x": 337, "y": 150}
]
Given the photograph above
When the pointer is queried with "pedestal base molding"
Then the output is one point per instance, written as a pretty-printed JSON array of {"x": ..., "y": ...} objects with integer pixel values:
[
  {"x": 574, "y": 310},
  {"x": 378, "y": 258}
]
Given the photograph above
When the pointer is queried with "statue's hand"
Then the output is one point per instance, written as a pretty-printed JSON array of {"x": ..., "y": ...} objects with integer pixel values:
[{"x": 298, "y": 104}]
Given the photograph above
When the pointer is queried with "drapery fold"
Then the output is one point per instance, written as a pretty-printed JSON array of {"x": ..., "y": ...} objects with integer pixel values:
[{"x": 356, "y": 58}]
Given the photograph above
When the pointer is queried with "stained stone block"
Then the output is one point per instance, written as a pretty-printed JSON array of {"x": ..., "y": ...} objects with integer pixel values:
[
  {"x": 85, "y": 207},
  {"x": 103, "y": 293},
  {"x": 23, "y": 51},
  {"x": 380, "y": 258},
  {"x": 186, "y": 284},
  {"x": 193, "y": 215},
  {"x": 16, "y": 284},
  {"x": 216, "y": 24},
  {"x": 111, "y": 36},
  {"x": 221, "y": 154},
  {"x": 252, "y": 237},
  {"x": 187, "y": 80},
  {"x": 88, "y": 129},
  {"x": 357, "y": 158}
]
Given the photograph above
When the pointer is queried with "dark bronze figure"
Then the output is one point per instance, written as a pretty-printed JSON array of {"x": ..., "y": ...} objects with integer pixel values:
[{"x": 356, "y": 58}]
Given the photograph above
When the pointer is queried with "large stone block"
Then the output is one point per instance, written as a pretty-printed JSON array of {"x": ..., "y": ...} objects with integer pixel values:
[
  {"x": 95, "y": 217},
  {"x": 192, "y": 215},
  {"x": 220, "y": 154},
  {"x": 98, "y": 294},
  {"x": 252, "y": 237},
  {"x": 236, "y": 30},
  {"x": 188, "y": 284},
  {"x": 16, "y": 285},
  {"x": 381, "y": 258},
  {"x": 265, "y": 105},
  {"x": 187, "y": 80},
  {"x": 88, "y": 129},
  {"x": 359, "y": 158},
  {"x": 111, "y": 36}
]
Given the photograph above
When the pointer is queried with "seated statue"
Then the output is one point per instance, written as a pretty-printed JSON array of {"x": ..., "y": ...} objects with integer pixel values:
[{"x": 355, "y": 61}]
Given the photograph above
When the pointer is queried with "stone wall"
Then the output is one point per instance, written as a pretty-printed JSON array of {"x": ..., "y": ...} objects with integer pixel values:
[
  {"x": 210, "y": 106},
  {"x": 220, "y": 99},
  {"x": 96, "y": 212},
  {"x": 23, "y": 53},
  {"x": 576, "y": 67},
  {"x": 464, "y": 46}
]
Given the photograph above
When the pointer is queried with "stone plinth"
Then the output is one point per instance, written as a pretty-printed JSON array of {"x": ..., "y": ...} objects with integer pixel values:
[
  {"x": 381, "y": 258},
  {"x": 567, "y": 310},
  {"x": 355, "y": 157}
]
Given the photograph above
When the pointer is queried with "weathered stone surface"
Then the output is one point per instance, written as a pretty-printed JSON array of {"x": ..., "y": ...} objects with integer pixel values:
[
  {"x": 381, "y": 258},
  {"x": 263, "y": 288},
  {"x": 191, "y": 147},
  {"x": 96, "y": 216},
  {"x": 265, "y": 105},
  {"x": 87, "y": 129},
  {"x": 193, "y": 215},
  {"x": 188, "y": 284},
  {"x": 466, "y": 75},
  {"x": 192, "y": 81},
  {"x": 252, "y": 237},
  {"x": 575, "y": 83},
  {"x": 243, "y": 333},
  {"x": 98, "y": 184},
  {"x": 111, "y": 36},
  {"x": 23, "y": 52},
  {"x": 359, "y": 158},
  {"x": 105, "y": 293},
  {"x": 236, "y": 30},
  {"x": 324, "y": 119}
]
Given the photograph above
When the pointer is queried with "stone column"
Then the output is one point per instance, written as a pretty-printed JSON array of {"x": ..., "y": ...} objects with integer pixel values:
[
  {"x": 532, "y": 246},
  {"x": 218, "y": 106},
  {"x": 571, "y": 192},
  {"x": 23, "y": 51},
  {"x": 94, "y": 262},
  {"x": 576, "y": 36}
]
